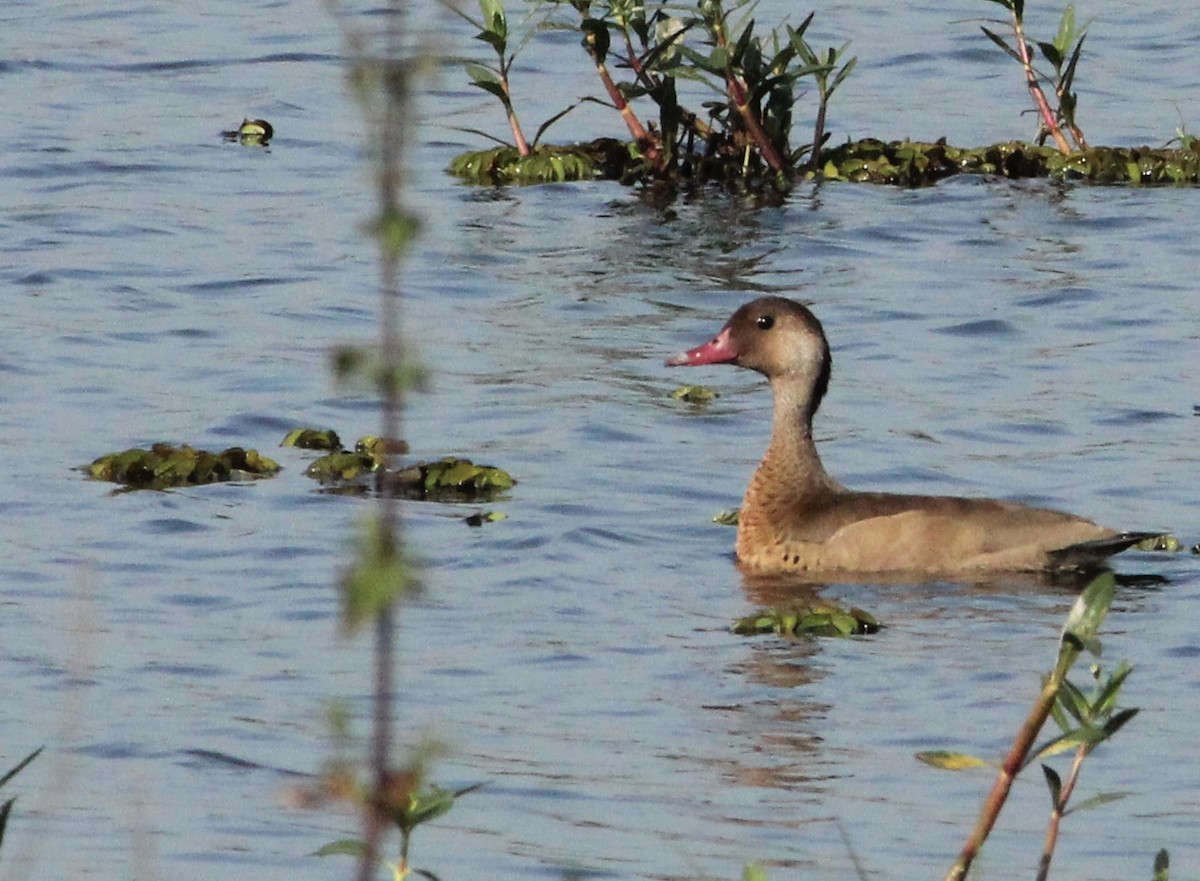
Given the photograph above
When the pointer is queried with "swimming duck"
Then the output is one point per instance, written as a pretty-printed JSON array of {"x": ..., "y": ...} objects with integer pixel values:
[{"x": 796, "y": 518}]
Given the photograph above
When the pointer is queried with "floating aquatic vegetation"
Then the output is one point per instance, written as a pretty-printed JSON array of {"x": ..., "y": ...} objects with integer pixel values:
[
  {"x": 1160, "y": 543},
  {"x": 895, "y": 163},
  {"x": 165, "y": 465},
  {"x": 820, "y": 619},
  {"x": 603, "y": 158},
  {"x": 251, "y": 133},
  {"x": 481, "y": 517},
  {"x": 950, "y": 761},
  {"x": 915, "y": 163},
  {"x": 312, "y": 439},
  {"x": 694, "y": 394},
  {"x": 379, "y": 448},
  {"x": 727, "y": 518},
  {"x": 344, "y": 466},
  {"x": 370, "y": 454},
  {"x": 447, "y": 479}
]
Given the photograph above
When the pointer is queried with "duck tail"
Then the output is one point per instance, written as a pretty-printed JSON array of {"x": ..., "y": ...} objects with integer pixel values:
[{"x": 1092, "y": 554}]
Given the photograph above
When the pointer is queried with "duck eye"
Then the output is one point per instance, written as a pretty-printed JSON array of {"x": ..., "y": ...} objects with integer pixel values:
[{"x": 765, "y": 322}]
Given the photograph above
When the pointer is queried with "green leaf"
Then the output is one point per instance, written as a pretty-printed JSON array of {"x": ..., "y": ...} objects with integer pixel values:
[
  {"x": 347, "y": 846},
  {"x": 1106, "y": 693},
  {"x": 1162, "y": 865},
  {"x": 379, "y": 577},
  {"x": 1068, "y": 77},
  {"x": 845, "y": 624},
  {"x": 798, "y": 33},
  {"x": 428, "y": 804},
  {"x": 1065, "y": 741},
  {"x": 341, "y": 467},
  {"x": 494, "y": 18},
  {"x": 1084, "y": 620},
  {"x": 950, "y": 761},
  {"x": 1055, "y": 783},
  {"x": 1095, "y": 801},
  {"x": 1073, "y": 701},
  {"x": 742, "y": 44},
  {"x": 1000, "y": 41},
  {"x": 694, "y": 394},
  {"x": 1061, "y": 719},
  {"x": 492, "y": 88},
  {"x": 1089, "y": 736},
  {"x": 1052, "y": 54},
  {"x": 1117, "y": 722},
  {"x": 312, "y": 439},
  {"x": 754, "y": 872},
  {"x": 480, "y": 73},
  {"x": 1066, "y": 30},
  {"x": 498, "y": 43},
  {"x": 395, "y": 230}
]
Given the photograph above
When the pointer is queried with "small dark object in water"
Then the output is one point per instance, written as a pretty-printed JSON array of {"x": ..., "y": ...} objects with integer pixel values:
[{"x": 251, "y": 133}]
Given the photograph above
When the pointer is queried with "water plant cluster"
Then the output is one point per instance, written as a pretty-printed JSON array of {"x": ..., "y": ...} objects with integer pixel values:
[
  {"x": 745, "y": 130},
  {"x": 369, "y": 466},
  {"x": 762, "y": 83},
  {"x": 166, "y": 465}
]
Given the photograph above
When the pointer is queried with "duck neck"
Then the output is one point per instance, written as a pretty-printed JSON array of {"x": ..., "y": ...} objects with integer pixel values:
[{"x": 791, "y": 467}]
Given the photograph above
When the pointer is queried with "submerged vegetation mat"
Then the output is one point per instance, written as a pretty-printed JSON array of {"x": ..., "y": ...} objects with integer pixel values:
[{"x": 898, "y": 163}]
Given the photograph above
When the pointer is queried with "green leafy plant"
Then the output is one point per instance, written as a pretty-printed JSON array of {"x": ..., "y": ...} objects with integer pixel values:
[
  {"x": 494, "y": 78},
  {"x": 1085, "y": 721},
  {"x": 407, "y": 810},
  {"x": 829, "y": 70},
  {"x": 382, "y": 576},
  {"x": 1063, "y": 55},
  {"x": 745, "y": 130}
]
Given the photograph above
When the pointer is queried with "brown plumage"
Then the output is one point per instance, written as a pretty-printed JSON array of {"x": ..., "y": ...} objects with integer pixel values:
[{"x": 796, "y": 518}]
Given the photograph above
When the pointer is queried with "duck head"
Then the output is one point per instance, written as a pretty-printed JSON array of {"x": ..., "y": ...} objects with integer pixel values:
[{"x": 777, "y": 337}]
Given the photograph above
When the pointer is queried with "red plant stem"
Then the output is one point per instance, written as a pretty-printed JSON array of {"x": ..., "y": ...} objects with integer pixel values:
[
  {"x": 651, "y": 82},
  {"x": 636, "y": 129},
  {"x": 1035, "y": 90},
  {"x": 737, "y": 94},
  {"x": 1013, "y": 762},
  {"x": 1056, "y": 814},
  {"x": 513, "y": 122}
]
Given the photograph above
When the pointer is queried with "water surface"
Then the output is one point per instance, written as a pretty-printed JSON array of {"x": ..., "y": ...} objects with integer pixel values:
[{"x": 1029, "y": 341}]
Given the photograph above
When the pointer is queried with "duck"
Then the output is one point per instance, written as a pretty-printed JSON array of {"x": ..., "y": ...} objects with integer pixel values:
[{"x": 796, "y": 518}]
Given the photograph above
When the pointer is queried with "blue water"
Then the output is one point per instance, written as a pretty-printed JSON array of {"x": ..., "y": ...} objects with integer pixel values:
[{"x": 1028, "y": 341}]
